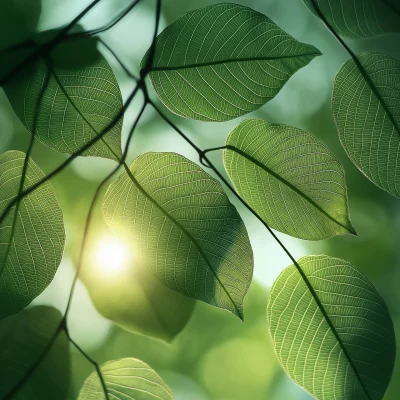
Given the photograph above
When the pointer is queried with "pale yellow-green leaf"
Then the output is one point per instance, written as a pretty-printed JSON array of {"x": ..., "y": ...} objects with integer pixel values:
[
  {"x": 126, "y": 379},
  {"x": 333, "y": 335},
  {"x": 182, "y": 227}
]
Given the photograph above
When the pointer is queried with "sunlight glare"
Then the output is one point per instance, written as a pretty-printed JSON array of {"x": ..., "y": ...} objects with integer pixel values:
[{"x": 111, "y": 255}]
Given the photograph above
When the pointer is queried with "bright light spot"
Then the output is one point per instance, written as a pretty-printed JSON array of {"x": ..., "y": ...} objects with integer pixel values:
[{"x": 111, "y": 255}]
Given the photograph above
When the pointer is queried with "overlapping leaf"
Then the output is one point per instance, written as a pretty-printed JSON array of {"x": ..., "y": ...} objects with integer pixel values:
[
  {"x": 338, "y": 343},
  {"x": 79, "y": 101},
  {"x": 135, "y": 300},
  {"x": 182, "y": 227},
  {"x": 289, "y": 178},
  {"x": 359, "y": 18},
  {"x": 366, "y": 111},
  {"x": 18, "y": 21},
  {"x": 127, "y": 378},
  {"x": 24, "y": 338},
  {"x": 222, "y": 61},
  {"x": 31, "y": 237}
]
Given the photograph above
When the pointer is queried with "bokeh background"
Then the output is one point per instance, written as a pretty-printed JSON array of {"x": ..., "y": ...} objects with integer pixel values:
[{"x": 215, "y": 356}]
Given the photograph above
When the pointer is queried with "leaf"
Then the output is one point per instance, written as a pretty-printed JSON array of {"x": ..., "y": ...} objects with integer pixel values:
[
  {"x": 18, "y": 21},
  {"x": 127, "y": 378},
  {"x": 183, "y": 228},
  {"x": 223, "y": 61},
  {"x": 79, "y": 101},
  {"x": 31, "y": 241},
  {"x": 339, "y": 344},
  {"x": 365, "y": 108},
  {"x": 24, "y": 337},
  {"x": 359, "y": 18},
  {"x": 137, "y": 301},
  {"x": 289, "y": 178}
]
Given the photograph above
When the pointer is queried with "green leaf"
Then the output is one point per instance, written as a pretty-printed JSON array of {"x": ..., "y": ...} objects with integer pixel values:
[
  {"x": 289, "y": 178},
  {"x": 127, "y": 378},
  {"x": 31, "y": 238},
  {"x": 137, "y": 301},
  {"x": 18, "y": 21},
  {"x": 79, "y": 101},
  {"x": 333, "y": 335},
  {"x": 365, "y": 108},
  {"x": 223, "y": 61},
  {"x": 24, "y": 337},
  {"x": 183, "y": 228},
  {"x": 359, "y": 18}
]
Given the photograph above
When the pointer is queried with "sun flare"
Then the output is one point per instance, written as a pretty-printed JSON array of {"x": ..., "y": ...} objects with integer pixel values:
[{"x": 111, "y": 255}]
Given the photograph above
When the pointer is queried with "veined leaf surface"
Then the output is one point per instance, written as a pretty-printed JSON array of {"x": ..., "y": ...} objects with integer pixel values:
[
  {"x": 24, "y": 338},
  {"x": 339, "y": 343},
  {"x": 79, "y": 101},
  {"x": 183, "y": 228},
  {"x": 359, "y": 18},
  {"x": 366, "y": 112},
  {"x": 289, "y": 178},
  {"x": 32, "y": 241},
  {"x": 127, "y": 378},
  {"x": 222, "y": 61}
]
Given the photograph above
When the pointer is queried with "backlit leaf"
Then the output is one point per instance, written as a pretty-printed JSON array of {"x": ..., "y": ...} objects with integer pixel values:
[
  {"x": 366, "y": 113},
  {"x": 339, "y": 343},
  {"x": 135, "y": 300},
  {"x": 222, "y": 61},
  {"x": 79, "y": 101},
  {"x": 32, "y": 241},
  {"x": 24, "y": 338},
  {"x": 183, "y": 228},
  {"x": 359, "y": 18},
  {"x": 289, "y": 178},
  {"x": 127, "y": 378}
]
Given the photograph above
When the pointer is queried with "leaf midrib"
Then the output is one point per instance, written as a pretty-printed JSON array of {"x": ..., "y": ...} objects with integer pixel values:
[
  {"x": 194, "y": 241},
  {"x": 375, "y": 91},
  {"x": 11, "y": 237},
  {"x": 331, "y": 326},
  {"x": 288, "y": 184},
  {"x": 53, "y": 72},
  {"x": 231, "y": 60}
]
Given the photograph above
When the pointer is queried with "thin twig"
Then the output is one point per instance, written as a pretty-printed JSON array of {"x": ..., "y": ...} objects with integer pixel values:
[
  {"x": 123, "y": 14},
  {"x": 46, "y": 48},
  {"x": 126, "y": 70},
  {"x": 10, "y": 395},
  {"x": 24, "y": 171},
  {"x": 86, "y": 146},
  {"x": 63, "y": 325},
  {"x": 204, "y": 157}
]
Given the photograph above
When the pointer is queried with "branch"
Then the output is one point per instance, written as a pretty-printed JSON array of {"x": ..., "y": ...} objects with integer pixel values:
[
  {"x": 203, "y": 156},
  {"x": 63, "y": 325},
  {"x": 45, "y": 49}
]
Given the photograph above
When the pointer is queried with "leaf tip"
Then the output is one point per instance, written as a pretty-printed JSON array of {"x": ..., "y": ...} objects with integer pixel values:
[
  {"x": 353, "y": 232},
  {"x": 239, "y": 313}
]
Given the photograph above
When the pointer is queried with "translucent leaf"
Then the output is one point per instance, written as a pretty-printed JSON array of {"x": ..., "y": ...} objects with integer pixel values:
[
  {"x": 222, "y": 61},
  {"x": 79, "y": 101},
  {"x": 339, "y": 344},
  {"x": 137, "y": 301},
  {"x": 289, "y": 178},
  {"x": 127, "y": 378},
  {"x": 31, "y": 242},
  {"x": 24, "y": 337},
  {"x": 365, "y": 108},
  {"x": 183, "y": 228},
  {"x": 359, "y": 18}
]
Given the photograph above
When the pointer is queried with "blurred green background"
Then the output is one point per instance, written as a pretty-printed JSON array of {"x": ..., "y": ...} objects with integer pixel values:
[{"x": 215, "y": 357}]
